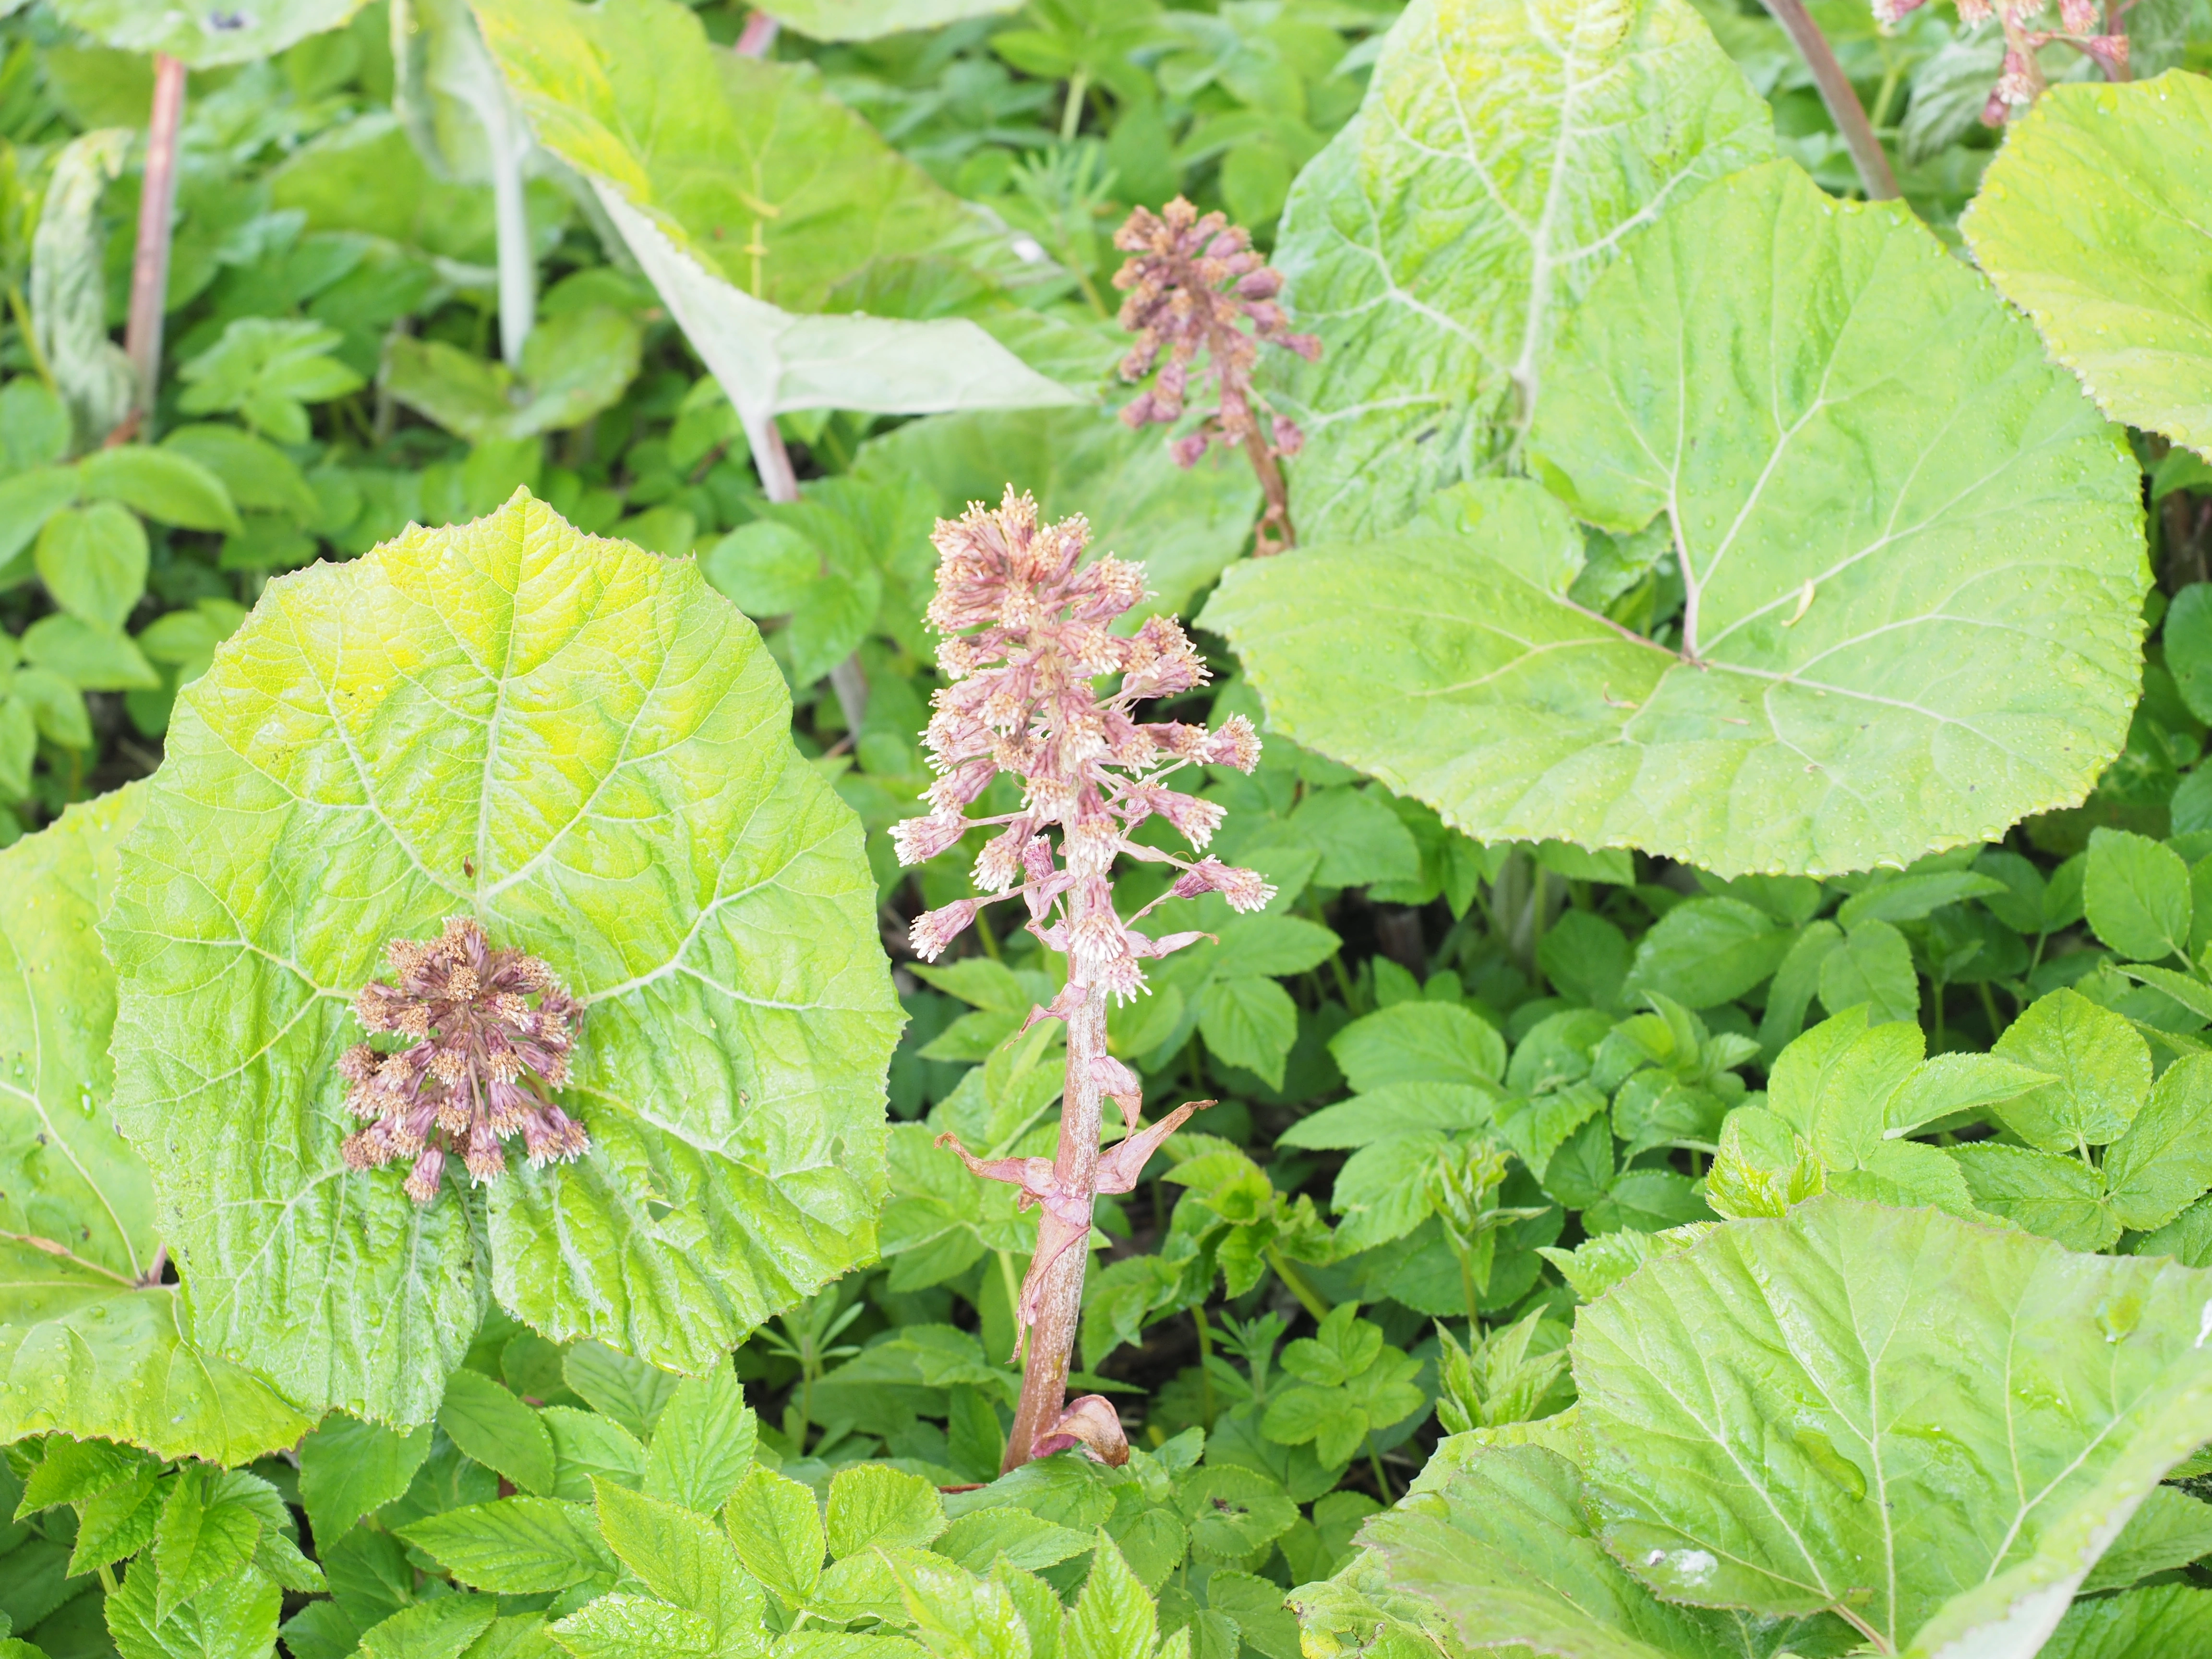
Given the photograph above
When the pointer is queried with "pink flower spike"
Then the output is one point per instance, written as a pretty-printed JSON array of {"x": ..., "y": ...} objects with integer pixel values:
[
  {"x": 920, "y": 840},
  {"x": 933, "y": 930},
  {"x": 1029, "y": 631}
]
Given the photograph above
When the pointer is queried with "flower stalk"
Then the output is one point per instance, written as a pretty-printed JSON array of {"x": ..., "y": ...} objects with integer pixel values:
[
  {"x": 1026, "y": 636},
  {"x": 1195, "y": 285}
]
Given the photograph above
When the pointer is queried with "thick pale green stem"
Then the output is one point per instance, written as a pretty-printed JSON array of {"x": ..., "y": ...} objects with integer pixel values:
[{"x": 518, "y": 261}]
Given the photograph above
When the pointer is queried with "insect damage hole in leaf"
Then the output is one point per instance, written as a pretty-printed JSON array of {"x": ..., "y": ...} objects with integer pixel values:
[{"x": 603, "y": 739}]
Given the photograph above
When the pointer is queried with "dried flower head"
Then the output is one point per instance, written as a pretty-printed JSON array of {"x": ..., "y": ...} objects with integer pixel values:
[
  {"x": 1194, "y": 284},
  {"x": 1027, "y": 634},
  {"x": 486, "y": 1033}
]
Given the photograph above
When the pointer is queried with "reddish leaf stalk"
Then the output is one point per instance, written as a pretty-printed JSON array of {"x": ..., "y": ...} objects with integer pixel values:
[
  {"x": 1195, "y": 285},
  {"x": 1841, "y": 98},
  {"x": 1026, "y": 636},
  {"x": 149, "y": 263},
  {"x": 759, "y": 35}
]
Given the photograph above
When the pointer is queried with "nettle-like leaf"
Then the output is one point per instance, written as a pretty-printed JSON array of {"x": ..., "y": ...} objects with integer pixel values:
[
  {"x": 582, "y": 747},
  {"x": 753, "y": 198},
  {"x": 1913, "y": 554},
  {"x": 1890, "y": 1419},
  {"x": 2096, "y": 220},
  {"x": 1502, "y": 151},
  {"x": 90, "y": 1341}
]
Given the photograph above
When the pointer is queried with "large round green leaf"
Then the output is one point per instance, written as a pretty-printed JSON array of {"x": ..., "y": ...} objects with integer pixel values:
[
  {"x": 205, "y": 33},
  {"x": 1913, "y": 554},
  {"x": 2096, "y": 220},
  {"x": 89, "y": 1337},
  {"x": 584, "y": 748},
  {"x": 1500, "y": 1552},
  {"x": 1930, "y": 1427},
  {"x": 1502, "y": 151}
]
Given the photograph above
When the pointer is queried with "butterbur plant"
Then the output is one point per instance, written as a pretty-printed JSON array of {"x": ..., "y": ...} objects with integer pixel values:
[
  {"x": 1026, "y": 626},
  {"x": 1195, "y": 285},
  {"x": 478, "y": 1058},
  {"x": 550, "y": 768}
]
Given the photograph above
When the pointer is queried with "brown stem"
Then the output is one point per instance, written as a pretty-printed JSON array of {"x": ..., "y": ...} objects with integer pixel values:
[
  {"x": 149, "y": 265},
  {"x": 1836, "y": 92},
  {"x": 1051, "y": 1342},
  {"x": 1274, "y": 532}
]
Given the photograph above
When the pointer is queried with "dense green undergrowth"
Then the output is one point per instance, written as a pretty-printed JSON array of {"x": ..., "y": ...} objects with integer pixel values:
[{"x": 1732, "y": 977}]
